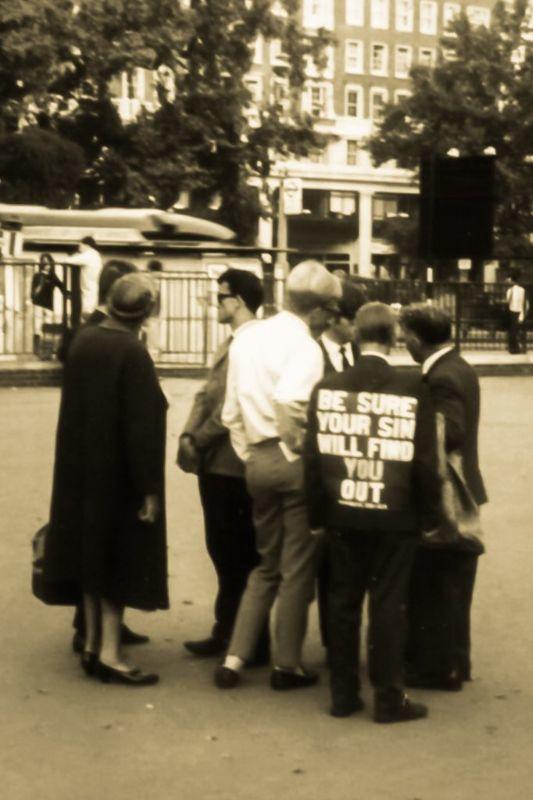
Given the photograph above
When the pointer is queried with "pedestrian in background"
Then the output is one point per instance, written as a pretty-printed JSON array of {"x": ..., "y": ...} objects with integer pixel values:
[
  {"x": 107, "y": 522},
  {"x": 90, "y": 263},
  {"x": 443, "y": 576},
  {"x": 205, "y": 449},
  {"x": 273, "y": 367},
  {"x": 517, "y": 307},
  {"x": 371, "y": 482}
]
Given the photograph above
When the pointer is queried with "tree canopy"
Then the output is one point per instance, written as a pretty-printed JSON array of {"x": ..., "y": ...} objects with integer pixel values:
[
  {"x": 477, "y": 99},
  {"x": 201, "y": 137}
]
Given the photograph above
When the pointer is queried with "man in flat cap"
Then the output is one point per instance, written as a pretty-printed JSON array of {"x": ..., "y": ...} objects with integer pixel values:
[{"x": 273, "y": 367}]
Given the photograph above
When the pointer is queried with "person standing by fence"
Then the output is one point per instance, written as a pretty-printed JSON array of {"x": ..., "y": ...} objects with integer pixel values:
[{"x": 517, "y": 309}]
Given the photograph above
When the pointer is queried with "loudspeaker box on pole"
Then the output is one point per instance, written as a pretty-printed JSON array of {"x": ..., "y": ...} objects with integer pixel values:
[{"x": 456, "y": 207}]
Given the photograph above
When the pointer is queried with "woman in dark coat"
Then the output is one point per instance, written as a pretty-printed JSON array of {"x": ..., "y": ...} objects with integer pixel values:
[{"x": 107, "y": 522}]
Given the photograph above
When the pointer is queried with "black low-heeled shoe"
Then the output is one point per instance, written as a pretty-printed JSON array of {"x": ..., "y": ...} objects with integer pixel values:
[
  {"x": 88, "y": 663},
  {"x": 131, "y": 677}
]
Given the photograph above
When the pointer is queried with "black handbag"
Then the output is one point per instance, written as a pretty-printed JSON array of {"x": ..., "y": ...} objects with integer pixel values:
[
  {"x": 42, "y": 290},
  {"x": 51, "y": 592}
]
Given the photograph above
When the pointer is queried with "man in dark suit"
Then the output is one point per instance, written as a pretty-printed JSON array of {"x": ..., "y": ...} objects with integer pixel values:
[
  {"x": 340, "y": 351},
  {"x": 442, "y": 582},
  {"x": 337, "y": 341},
  {"x": 371, "y": 482},
  {"x": 205, "y": 449}
]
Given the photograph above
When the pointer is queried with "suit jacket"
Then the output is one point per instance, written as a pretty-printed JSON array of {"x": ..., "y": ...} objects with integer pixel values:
[
  {"x": 370, "y": 455},
  {"x": 454, "y": 388},
  {"x": 328, "y": 365},
  {"x": 205, "y": 425}
]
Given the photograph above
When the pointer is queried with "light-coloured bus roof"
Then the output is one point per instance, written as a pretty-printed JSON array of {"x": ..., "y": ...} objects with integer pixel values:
[{"x": 149, "y": 221}]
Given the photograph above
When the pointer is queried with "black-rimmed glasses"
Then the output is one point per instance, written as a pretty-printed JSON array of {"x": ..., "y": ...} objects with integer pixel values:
[{"x": 221, "y": 296}]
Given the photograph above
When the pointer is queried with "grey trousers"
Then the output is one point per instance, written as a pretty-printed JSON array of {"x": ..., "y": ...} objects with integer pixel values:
[{"x": 288, "y": 557}]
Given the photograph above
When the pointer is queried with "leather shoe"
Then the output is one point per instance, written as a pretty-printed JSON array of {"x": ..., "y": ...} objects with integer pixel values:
[
  {"x": 397, "y": 709},
  {"x": 282, "y": 679},
  {"x": 131, "y": 677},
  {"x": 345, "y": 708},
  {"x": 88, "y": 663},
  {"x": 206, "y": 648},
  {"x": 226, "y": 678}
]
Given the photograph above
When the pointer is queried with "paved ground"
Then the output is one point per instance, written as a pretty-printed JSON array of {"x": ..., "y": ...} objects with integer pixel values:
[{"x": 65, "y": 737}]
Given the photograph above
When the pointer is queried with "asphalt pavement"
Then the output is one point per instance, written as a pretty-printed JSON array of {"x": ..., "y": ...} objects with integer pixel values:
[{"x": 67, "y": 737}]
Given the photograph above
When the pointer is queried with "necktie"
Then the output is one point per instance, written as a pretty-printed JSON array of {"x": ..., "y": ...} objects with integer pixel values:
[{"x": 345, "y": 363}]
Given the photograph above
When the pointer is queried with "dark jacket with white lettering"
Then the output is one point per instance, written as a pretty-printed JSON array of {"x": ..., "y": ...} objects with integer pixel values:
[{"x": 370, "y": 451}]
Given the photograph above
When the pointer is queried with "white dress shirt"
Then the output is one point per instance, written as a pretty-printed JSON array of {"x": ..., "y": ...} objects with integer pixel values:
[
  {"x": 335, "y": 351},
  {"x": 91, "y": 266},
  {"x": 516, "y": 300},
  {"x": 273, "y": 363},
  {"x": 430, "y": 360}
]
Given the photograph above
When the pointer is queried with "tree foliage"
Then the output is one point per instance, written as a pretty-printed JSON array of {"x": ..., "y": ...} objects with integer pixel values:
[
  {"x": 38, "y": 166},
  {"x": 202, "y": 137},
  {"x": 478, "y": 97}
]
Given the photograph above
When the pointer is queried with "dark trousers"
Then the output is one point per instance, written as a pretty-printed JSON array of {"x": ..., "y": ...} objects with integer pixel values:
[
  {"x": 515, "y": 333},
  {"x": 322, "y": 589},
  {"x": 230, "y": 541},
  {"x": 378, "y": 563},
  {"x": 440, "y": 597}
]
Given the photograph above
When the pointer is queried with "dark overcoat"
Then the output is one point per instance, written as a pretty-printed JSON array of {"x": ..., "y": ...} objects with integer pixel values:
[
  {"x": 110, "y": 451},
  {"x": 454, "y": 388}
]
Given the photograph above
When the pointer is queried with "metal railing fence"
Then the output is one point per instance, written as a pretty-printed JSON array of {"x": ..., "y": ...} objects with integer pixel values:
[{"x": 186, "y": 331}]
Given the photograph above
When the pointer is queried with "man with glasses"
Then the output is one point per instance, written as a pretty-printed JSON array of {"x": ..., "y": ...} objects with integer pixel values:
[
  {"x": 206, "y": 450},
  {"x": 273, "y": 368}
]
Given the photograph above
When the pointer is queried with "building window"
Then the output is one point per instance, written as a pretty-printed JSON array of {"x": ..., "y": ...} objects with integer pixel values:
[
  {"x": 404, "y": 15},
  {"x": 280, "y": 93},
  {"x": 428, "y": 17},
  {"x": 318, "y": 14},
  {"x": 378, "y": 100},
  {"x": 277, "y": 55},
  {"x": 353, "y": 56},
  {"x": 351, "y": 152},
  {"x": 342, "y": 203},
  {"x": 379, "y": 59},
  {"x": 400, "y": 95},
  {"x": 426, "y": 56},
  {"x": 379, "y": 14},
  {"x": 402, "y": 61},
  {"x": 353, "y": 101},
  {"x": 478, "y": 16},
  {"x": 254, "y": 86},
  {"x": 317, "y": 99},
  {"x": 355, "y": 12},
  {"x": 449, "y": 12}
]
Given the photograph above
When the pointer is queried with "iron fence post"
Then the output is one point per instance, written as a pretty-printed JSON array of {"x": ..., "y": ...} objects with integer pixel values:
[{"x": 458, "y": 314}]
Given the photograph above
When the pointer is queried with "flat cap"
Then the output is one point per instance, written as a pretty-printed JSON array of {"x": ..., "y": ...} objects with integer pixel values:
[
  {"x": 311, "y": 278},
  {"x": 132, "y": 297}
]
